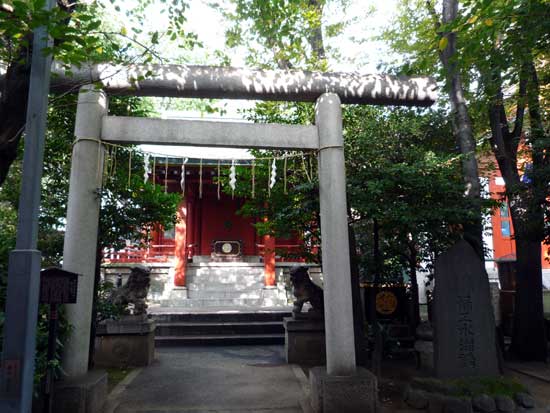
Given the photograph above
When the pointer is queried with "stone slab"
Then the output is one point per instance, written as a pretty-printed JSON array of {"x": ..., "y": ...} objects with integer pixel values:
[
  {"x": 338, "y": 394},
  {"x": 126, "y": 325},
  {"x": 464, "y": 324},
  {"x": 304, "y": 342},
  {"x": 125, "y": 350},
  {"x": 84, "y": 394}
]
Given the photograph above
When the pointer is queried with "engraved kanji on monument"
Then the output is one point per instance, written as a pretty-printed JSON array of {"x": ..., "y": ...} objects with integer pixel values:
[{"x": 464, "y": 324}]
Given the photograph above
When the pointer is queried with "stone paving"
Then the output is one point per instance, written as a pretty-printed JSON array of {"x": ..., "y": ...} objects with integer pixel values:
[{"x": 214, "y": 379}]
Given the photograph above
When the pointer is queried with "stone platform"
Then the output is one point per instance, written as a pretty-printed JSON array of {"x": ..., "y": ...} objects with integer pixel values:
[
  {"x": 184, "y": 326},
  {"x": 213, "y": 284}
]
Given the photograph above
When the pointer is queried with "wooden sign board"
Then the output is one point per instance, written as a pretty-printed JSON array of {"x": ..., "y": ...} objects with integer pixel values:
[{"x": 58, "y": 286}]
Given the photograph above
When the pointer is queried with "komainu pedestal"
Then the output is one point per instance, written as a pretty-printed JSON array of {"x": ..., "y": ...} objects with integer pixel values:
[
  {"x": 127, "y": 342},
  {"x": 305, "y": 341}
]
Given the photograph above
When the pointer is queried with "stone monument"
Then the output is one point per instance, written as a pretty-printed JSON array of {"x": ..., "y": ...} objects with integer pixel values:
[
  {"x": 305, "y": 331},
  {"x": 464, "y": 324}
]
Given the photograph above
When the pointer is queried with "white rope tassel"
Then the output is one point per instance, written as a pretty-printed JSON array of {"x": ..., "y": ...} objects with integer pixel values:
[
  {"x": 253, "y": 179},
  {"x": 146, "y": 167},
  {"x": 305, "y": 169},
  {"x": 200, "y": 179},
  {"x": 219, "y": 181},
  {"x": 154, "y": 170},
  {"x": 166, "y": 175},
  {"x": 129, "y": 167},
  {"x": 182, "y": 179},
  {"x": 273, "y": 178},
  {"x": 284, "y": 172},
  {"x": 233, "y": 178}
]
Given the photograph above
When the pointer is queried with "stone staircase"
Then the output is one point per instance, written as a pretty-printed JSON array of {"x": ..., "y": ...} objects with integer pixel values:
[
  {"x": 226, "y": 284},
  {"x": 219, "y": 328}
]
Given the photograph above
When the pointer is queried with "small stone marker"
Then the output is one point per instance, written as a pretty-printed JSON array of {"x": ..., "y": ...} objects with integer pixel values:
[{"x": 464, "y": 342}]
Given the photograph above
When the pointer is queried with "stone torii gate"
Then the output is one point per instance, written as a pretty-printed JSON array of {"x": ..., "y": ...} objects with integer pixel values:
[{"x": 329, "y": 90}]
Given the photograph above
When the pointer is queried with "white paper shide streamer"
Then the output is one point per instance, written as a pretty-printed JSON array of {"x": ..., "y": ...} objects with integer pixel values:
[
  {"x": 182, "y": 180},
  {"x": 147, "y": 167},
  {"x": 232, "y": 177},
  {"x": 273, "y": 174}
]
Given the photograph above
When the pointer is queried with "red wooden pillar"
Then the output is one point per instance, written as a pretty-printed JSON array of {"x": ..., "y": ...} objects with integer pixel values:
[
  {"x": 269, "y": 260},
  {"x": 181, "y": 244}
]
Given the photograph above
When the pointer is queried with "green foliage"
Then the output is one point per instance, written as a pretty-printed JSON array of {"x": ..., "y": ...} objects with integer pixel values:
[
  {"x": 116, "y": 376},
  {"x": 281, "y": 33},
  {"x": 500, "y": 57},
  {"x": 105, "y": 308},
  {"x": 41, "y": 361},
  {"x": 284, "y": 211},
  {"x": 472, "y": 386},
  {"x": 82, "y": 32},
  {"x": 404, "y": 173},
  {"x": 402, "y": 167},
  {"x": 129, "y": 211}
]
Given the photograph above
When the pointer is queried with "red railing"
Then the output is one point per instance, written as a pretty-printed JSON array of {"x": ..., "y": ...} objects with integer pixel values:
[{"x": 134, "y": 254}]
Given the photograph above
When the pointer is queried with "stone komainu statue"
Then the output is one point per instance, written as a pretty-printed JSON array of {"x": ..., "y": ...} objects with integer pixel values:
[
  {"x": 306, "y": 291},
  {"x": 134, "y": 292}
]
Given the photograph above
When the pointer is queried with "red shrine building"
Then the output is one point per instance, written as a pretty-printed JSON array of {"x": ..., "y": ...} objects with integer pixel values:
[
  {"x": 501, "y": 241},
  {"x": 211, "y": 246}
]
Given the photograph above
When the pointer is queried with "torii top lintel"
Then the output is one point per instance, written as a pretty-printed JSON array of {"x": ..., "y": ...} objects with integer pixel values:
[{"x": 235, "y": 83}]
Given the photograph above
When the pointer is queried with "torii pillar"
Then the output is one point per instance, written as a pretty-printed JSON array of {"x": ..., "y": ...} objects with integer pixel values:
[{"x": 84, "y": 391}]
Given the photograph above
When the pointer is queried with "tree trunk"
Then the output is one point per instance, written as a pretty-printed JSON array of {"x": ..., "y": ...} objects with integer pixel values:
[
  {"x": 377, "y": 334},
  {"x": 415, "y": 306},
  {"x": 462, "y": 129},
  {"x": 528, "y": 336},
  {"x": 13, "y": 109},
  {"x": 358, "y": 319},
  {"x": 316, "y": 36},
  {"x": 526, "y": 198},
  {"x": 14, "y": 96}
]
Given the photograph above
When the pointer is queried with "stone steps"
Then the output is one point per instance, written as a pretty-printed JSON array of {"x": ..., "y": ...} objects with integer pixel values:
[
  {"x": 194, "y": 286},
  {"x": 208, "y": 293},
  {"x": 221, "y": 328},
  {"x": 220, "y": 340},
  {"x": 232, "y": 316},
  {"x": 214, "y": 302},
  {"x": 176, "y": 329}
]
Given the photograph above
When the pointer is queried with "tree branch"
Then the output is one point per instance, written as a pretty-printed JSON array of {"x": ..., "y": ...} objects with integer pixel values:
[{"x": 520, "y": 107}]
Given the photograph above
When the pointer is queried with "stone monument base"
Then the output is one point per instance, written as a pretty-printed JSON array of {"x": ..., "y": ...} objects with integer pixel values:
[
  {"x": 338, "y": 394},
  {"x": 84, "y": 394},
  {"x": 305, "y": 341},
  {"x": 128, "y": 342}
]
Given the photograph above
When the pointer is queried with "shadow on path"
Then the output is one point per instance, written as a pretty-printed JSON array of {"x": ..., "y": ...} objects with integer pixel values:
[{"x": 214, "y": 379}]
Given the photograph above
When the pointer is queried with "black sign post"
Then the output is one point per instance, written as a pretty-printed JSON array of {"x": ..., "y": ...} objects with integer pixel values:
[{"x": 57, "y": 286}]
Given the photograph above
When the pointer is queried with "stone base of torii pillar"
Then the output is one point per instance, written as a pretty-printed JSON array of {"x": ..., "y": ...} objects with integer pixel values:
[{"x": 357, "y": 393}]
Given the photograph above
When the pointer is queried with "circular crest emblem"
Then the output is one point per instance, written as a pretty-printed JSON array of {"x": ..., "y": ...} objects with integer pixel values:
[{"x": 386, "y": 302}]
